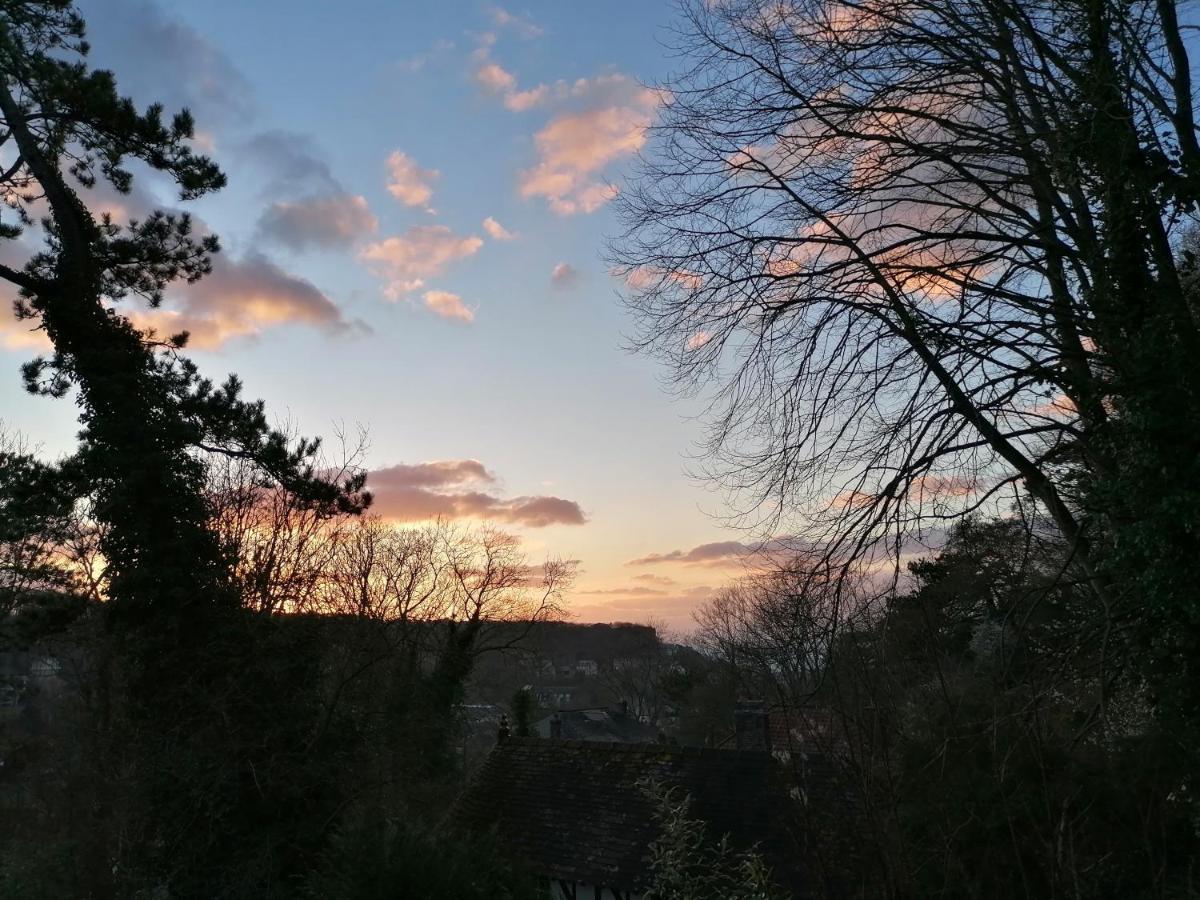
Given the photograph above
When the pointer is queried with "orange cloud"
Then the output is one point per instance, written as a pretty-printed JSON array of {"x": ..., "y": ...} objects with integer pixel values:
[
  {"x": 448, "y": 306},
  {"x": 575, "y": 147},
  {"x": 458, "y": 489},
  {"x": 1058, "y": 407},
  {"x": 405, "y": 261},
  {"x": 18, "y": 334},
  {"x": 408, "y": 182},
  {"x": 498, "y": 232}
]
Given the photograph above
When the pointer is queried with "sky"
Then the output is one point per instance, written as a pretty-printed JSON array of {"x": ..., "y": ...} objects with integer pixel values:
[{"x": 413, "y": 230}]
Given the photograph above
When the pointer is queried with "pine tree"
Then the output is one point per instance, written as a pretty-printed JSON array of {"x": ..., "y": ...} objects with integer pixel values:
[{"x": 210, "y": 708}]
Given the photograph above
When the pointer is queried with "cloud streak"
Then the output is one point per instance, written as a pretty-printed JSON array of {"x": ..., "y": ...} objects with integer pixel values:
[
  {"x": 716, "y": 553},
  {"x": 462, "y": 489},
  {"x": 498, "y": 232}
]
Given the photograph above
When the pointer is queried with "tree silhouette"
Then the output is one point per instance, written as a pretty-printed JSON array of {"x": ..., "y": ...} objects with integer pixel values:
[
  {"x": 926, "y": 253},
  {"x": 148, "y": 421}
]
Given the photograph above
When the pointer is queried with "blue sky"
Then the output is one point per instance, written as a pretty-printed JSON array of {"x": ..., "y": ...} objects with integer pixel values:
[{"x": 366, "y": 143}]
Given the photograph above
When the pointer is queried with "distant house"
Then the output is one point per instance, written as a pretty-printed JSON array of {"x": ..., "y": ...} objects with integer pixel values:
[
  {"x": 20, "y": 671},
  {"x": 596, "y": 724},
  {"x": 588, "y": 668},
  {"x": 552, "y": 696},
  {"x": 578, "y": 813}
]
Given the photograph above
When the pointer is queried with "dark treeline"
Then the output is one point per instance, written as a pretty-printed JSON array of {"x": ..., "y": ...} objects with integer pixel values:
[{"x": 968, "y": 716}]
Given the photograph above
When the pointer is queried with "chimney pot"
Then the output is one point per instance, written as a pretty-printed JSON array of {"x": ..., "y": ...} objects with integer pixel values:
[{"x": 751, "y": 725}]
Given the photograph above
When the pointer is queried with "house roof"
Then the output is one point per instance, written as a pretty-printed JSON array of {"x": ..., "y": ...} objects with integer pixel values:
[
  {"x": 578, "y": 811},
  {"x": 597, "y": 724}
]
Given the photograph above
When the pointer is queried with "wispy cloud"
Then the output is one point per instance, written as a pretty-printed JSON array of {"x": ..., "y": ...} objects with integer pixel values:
[
  {"x": 418, "y": 61},
  {"x": 521, "y": 25},
  {"x": 138, "y": 41}
]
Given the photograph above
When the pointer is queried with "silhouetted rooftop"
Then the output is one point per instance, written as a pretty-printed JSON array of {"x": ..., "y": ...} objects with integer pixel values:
[{"x": 579, "y": 811}]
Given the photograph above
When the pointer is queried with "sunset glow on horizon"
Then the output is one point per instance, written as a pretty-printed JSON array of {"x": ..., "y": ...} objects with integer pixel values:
[{"x": 412, "y": 241}]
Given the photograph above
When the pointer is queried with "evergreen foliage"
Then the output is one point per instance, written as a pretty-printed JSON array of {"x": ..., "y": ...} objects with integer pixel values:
[{"x": 686, "y": 864}]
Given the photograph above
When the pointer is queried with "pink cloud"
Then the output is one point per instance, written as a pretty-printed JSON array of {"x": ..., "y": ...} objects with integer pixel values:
[
  {"x": 448, "y": 306},
  {"x": 498, "y": 232},
  {"x": 458, "y": 489},
  {"x": 715, "y": 553},
  {"x": 408, "y": 182},
  {"x": 241, "y": 298},
  {"x": 575, "y": 147},
  {"x": 564, "y": 275},
  {"x": 646, "y": 278},
  {"x": 332, "y": 221},
  {"x": 440, "y": 473},
  {"x": 494, "y": 78},
  {"x": 520, "y": 101},
  {"x": 404, "y": 261},
  {"x": 498, "y": 81}
]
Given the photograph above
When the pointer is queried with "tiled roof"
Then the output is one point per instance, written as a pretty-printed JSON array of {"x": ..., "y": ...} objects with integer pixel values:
[
  {"x": 576, "y": 810},
  {"x": 596, "y": 725}
]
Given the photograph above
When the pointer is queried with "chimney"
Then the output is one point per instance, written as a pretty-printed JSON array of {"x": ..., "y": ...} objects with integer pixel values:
[
  {"x": 555, "y": 727},
  {"x": 751, "y": 725}
]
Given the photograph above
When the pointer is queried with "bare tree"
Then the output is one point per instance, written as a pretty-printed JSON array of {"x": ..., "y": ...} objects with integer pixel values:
[
  {"x": 776, "y": 628},
  {"x": 279, "y": 545},
  {"x": 428, "y": 601},
  {"x": 922, "y": 249}
]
